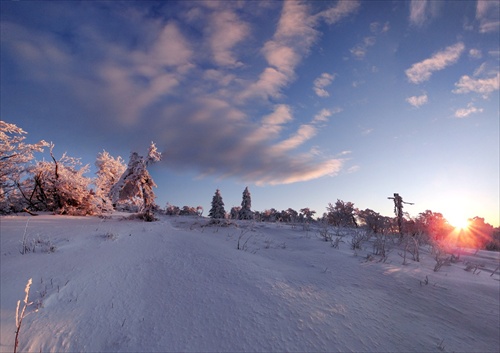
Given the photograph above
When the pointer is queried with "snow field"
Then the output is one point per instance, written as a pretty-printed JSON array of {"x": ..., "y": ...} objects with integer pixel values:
[{"x": 178, "y": 285}]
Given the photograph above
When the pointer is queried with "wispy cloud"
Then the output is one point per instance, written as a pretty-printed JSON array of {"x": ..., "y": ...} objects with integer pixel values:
[
  {"x": 186, "y": 85},
  {"x": 360, "y": 50},
  {"x": 465, "y": 112},
  {"x": 417, "y": 101},
  {"x": 488, "y": 15},
  {"x": 321, "y": 83},
  {"x": 417, "y": 12},
  {"x": 324, "y": 114},
  {"x": 485, "y": 86},
  {"x": 475, "y": 53},
  {"x": 295, "y": 34},
  {"x": 336, "y": 13},
  {"x": 421, "y": 11},
  {"x": 226, "y": 31},
  {"x": 378, "y": 28},
  {"x": 422, "y": 71}
]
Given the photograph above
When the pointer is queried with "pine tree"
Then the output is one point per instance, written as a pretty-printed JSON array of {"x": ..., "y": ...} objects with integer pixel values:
[
  {"x": 217, "y": 211},
  {"x": 246, "y": 204}
]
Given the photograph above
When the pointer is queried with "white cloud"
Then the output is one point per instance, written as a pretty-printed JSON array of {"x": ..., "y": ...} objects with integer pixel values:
[
  {"x": 182, "y": 88},
  {"x": 484, "y": 86},
  {"x": 475, "y": 54},
  {"x": 338, "y": 12},
  {"x": 360, "y": 50},
  {"x": 417, "y": 12},
  {"x": 488, "y": 15},
  {"x": 227, "y": 30},
  {"x": 423, "y": 10},
  {"x": 353, "y": 169},
  {"x": 465, "y": 112},
  {"x": 282, "y": 114},
  {"x": 294, "y": 36},
  {"x": 303, "y": 134},
  {"x": 324, "y": 114},
  {"x": 417, "y": 101},
  {"x": 377, "y": 27},
  {"x": 423, "y": 70},
  {"x": 321, "y": 82}
]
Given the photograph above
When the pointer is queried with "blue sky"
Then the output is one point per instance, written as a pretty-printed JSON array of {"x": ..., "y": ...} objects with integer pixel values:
[{"x": 304, "y": 102}]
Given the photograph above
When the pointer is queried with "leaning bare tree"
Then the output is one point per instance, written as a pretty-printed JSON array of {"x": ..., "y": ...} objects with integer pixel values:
[{"x": 136, "y": 182}]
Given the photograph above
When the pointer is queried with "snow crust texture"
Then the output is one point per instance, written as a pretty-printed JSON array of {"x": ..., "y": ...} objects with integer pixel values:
[{"x": 115, "y": 285}]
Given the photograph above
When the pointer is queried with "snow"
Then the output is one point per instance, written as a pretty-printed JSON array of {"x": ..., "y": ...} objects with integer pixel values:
[{"x": 178, "y": 285}]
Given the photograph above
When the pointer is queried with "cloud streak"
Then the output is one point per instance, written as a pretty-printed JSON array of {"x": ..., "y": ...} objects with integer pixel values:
[
  {"x": 321, "y": 83},
  {"x": 484, "y": 86},
  {"x": 488, "y": 15},
  {"x": 422, "y": 71},
  {"x": 465, "y": 112}
]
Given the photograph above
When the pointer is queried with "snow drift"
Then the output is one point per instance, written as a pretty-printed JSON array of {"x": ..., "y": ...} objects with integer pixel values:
[{"x": 179, "y": 285}]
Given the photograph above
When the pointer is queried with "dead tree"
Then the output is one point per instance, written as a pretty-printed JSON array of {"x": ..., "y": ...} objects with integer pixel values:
[{"x": 398, "y": 211}]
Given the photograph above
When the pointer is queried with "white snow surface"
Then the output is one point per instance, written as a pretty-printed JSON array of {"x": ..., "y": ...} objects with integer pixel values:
[{"x": 117, "y": 285}]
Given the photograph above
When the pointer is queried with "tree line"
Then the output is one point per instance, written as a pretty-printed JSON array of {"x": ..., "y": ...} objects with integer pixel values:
[{"x": 59, "y": 185}]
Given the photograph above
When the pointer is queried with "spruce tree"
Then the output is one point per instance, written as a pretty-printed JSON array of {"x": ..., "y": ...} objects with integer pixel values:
[
  {"x": 246, "y": 205},
  {"x": 217, "y": 211}
]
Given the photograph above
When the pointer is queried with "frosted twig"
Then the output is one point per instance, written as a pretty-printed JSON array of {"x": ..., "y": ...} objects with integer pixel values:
[{"x": 20, "y": 316}]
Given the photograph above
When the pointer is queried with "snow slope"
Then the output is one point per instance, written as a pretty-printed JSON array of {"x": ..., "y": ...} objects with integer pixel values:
[{"x": 177, "y": 285}]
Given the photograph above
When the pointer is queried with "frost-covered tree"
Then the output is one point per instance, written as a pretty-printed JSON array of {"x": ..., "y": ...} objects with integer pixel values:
[
  {"x": 374, "y": 221},
  {"x": 217, "y": 211},
  {"x": 109, "y": 171},
  {"x": 307, "y": 214},
  {"x": 271, "y": 215},
  {"x": 290, "y": 215},
  {"x": 60, "y": 186},
  {"x": 15, "y": 156},
  {"x": 235, "y": 212},
  {"x": 135, "y": 186},
  {"x": 172, "y": 210},
  {"x": 246, "y": 204},
  {"x": 341, "y": 214}
]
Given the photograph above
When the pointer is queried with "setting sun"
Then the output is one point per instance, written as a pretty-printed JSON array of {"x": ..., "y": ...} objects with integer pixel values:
[{"x": 459, "y": 222}]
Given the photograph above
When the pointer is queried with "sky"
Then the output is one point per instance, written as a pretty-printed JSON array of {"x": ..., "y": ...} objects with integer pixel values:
[{"x": 303, "y": 102}]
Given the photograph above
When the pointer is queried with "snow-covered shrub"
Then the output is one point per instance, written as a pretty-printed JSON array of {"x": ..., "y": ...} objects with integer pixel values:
[
  {"x": 235, "y": 212},
  {"x": 357, "y": 240},
  {"x": 341, "y": 214},
  {"x": 109, "y": 171},
  {"x": 172, "y": 210},
  {"x": 60, "y": 186},
  {"x": 271, "y": 215},
  {"x": 188, "y": 211},
  {"x": 306, "y": 215},
  {"x": 217, "y": 211},
  {"x": 15, "y": 157},
  {"x": 324, "y": 233}
]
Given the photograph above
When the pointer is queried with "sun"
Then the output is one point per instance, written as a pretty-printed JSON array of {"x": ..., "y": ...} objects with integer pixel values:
[{"x": 459, "y": 222}]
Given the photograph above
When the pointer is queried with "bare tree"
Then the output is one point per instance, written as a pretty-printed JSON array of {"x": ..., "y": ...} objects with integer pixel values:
[{"x": 398, "y": 211}]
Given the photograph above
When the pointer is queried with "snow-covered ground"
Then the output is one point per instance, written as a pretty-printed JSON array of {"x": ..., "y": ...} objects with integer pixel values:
[{"x": 175, "y": 285}]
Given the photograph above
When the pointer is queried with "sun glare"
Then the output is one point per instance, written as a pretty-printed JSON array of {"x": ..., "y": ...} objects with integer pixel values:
[{"x": 459, "y": 222}]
